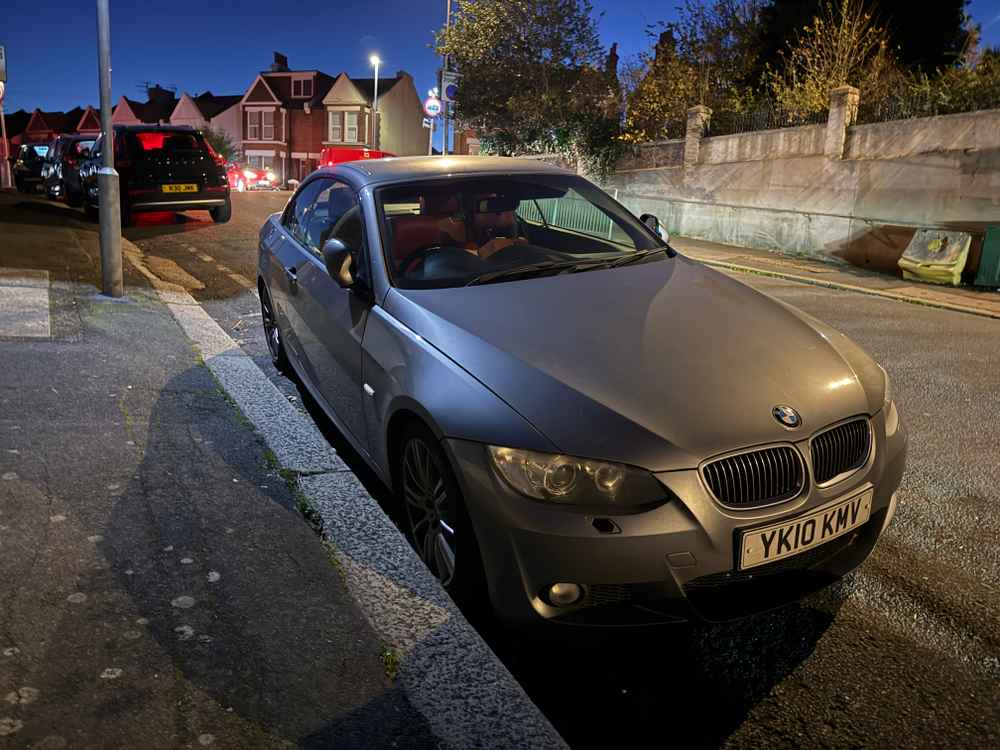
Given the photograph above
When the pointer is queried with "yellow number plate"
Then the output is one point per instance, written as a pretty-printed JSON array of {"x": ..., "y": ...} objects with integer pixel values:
[
  {"x": 780, "y": 540},
  {"x": 179, "y": 188}
]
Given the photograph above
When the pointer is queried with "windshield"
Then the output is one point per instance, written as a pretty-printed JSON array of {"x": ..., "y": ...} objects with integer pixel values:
[{"x": 491, "y": 229}]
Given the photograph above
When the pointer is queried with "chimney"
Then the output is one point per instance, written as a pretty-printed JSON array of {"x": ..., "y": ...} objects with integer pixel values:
[
  {"x": 402, "y": 74},
  {"x": 158, "y": 93},
  {"x": 280, "y": 64}
]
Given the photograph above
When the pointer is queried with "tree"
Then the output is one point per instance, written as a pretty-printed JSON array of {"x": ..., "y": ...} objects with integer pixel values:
[
  {"x": 842, "y": 45},
  {"x": 705, "y": 57},
  {"x": 532, "y": 71},
  {"x": 663, "y": 87},
  {"x": 924, "y": 36},
  {"x": 221, "y": 143}
]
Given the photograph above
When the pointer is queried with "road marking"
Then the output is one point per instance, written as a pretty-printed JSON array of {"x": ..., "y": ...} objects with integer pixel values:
[
  {"x": 24, "y": 303},
  {"x": 242, "y": 280}
]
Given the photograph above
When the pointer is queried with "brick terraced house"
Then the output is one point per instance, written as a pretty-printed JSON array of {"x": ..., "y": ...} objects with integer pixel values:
[{"x": 290, "y": 116}]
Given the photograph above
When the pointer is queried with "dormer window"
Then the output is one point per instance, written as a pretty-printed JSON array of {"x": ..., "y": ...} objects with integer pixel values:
[{"x": 302, "y": 88}]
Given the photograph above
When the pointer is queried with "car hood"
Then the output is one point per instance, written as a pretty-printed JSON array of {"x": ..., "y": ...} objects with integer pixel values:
[{"x": 659, "y": 365}]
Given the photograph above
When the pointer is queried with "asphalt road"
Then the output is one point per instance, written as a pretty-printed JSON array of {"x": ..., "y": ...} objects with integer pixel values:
[{"x": 904, "y": 653}]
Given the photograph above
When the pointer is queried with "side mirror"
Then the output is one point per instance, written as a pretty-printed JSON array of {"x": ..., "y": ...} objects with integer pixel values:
[
  {"x": 337, "y": 257},
  {"x": 654, "y": 223}
]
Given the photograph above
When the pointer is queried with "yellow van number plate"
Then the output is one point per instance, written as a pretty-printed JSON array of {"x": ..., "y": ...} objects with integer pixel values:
[{"x": 180, "y": 188}]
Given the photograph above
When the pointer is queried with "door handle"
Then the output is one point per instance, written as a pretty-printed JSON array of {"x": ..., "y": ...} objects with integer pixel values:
[{"x": 293, "y": 277}]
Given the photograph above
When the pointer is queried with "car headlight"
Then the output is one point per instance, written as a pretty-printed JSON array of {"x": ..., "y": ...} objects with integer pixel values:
[
  {"x": 574, "y": 481},
  {"x": 249, "y": 175}
]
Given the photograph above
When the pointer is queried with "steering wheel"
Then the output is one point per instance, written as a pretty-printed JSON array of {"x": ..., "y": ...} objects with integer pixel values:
[{"x": 406, "y": 264}]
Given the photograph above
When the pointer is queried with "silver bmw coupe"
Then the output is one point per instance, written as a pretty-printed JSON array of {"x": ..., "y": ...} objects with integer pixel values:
[{"x": 580, "y": 425}]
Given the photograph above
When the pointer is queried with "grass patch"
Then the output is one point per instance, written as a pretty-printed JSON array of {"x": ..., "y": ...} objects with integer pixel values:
[
  {"x": 331, "y": 555},
  {"x": 390, "y": 663}
]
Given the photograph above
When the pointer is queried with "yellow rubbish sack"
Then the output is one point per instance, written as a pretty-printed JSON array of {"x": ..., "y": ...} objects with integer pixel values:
[{"x": 936, "y": 256}]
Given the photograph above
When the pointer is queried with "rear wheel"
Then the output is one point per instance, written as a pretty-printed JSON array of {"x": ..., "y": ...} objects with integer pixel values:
[
  {"x": 272, "y": 333},
  {"x": 222, "y": 214},
  {"x": 438, "y": 524},
  {"x": 91, "y": 211},
  {"x": 19, "y": 184}
]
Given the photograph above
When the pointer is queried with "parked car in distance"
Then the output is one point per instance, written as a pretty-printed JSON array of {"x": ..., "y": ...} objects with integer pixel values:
[
  {"x": 242, "y": 178},
  {"x": 579, "y": 424},
  {"x": 62, "y": 173},
  {"x": 28, "y": 166},
  {"x": 160, "y": 168}
]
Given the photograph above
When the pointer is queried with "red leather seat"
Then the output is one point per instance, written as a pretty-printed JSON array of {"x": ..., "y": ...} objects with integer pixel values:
[{"x": 437, "y": 224}]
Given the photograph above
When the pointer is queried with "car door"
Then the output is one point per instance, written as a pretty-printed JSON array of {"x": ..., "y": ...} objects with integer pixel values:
[{"x": 331, "y": 320}]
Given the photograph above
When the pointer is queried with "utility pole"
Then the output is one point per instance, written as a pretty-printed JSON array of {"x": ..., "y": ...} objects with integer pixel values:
[
  {"x": 6, "y": 179},
  {"x": 107, "y": 178},
  {"x": 5, "y": 176},
  {"x": 444, "y": 68}
]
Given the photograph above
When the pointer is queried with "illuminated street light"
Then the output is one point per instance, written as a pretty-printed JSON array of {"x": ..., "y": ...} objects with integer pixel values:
[{"x": 375, "y": 62}]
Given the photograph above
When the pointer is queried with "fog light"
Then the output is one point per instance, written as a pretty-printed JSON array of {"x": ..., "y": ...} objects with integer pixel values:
[{"x": 564, "y": 594}]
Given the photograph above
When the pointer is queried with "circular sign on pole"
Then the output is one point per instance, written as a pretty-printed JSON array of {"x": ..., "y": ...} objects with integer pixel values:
[{"x": 432, "y": 106}]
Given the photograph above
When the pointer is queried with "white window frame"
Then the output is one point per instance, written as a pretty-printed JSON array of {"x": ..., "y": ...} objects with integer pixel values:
[
  {"x": 335, "y": 127},
  {"x": 253, "y": 128},
  {"x": 264, "y": 126},
  {"x": 348, "y": 138},
  {"x": 301, "y": 82}
]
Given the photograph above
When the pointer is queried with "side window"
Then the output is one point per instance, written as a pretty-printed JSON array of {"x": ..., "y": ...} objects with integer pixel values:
[
  {"x": 297, "y": 215},
  {"x": 331, "y": 209}
]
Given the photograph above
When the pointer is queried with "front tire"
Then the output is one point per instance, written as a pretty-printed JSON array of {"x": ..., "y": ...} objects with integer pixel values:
[
  {"x": 438, "y": 524},
  {"x": 222, "y": 214}
]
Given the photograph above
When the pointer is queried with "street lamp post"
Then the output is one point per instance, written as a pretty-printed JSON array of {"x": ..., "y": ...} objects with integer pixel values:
[
  {"x": 376, "y": 62},
  {"x": 107, "y": 178}
]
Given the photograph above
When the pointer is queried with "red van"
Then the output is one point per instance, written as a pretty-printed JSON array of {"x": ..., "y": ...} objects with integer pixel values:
[{"x": 337, "y": 154}]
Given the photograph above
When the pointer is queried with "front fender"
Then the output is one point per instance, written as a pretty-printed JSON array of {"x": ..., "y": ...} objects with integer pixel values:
[{"x": 404, "y": 372}]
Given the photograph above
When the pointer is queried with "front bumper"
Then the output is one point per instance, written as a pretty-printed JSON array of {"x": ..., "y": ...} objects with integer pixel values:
[{"x": 671, "y": 563}]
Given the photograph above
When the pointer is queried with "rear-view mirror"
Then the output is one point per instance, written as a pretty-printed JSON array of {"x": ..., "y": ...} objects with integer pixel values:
[{"x": 337, "y": 257}]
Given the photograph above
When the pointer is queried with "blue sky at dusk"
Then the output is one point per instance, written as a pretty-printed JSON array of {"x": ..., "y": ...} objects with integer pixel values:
[{"x": 220, "y": 46}]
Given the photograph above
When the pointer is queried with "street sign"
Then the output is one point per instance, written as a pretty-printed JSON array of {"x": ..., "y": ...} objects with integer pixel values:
[
  {"x": 449, "y": 83},
  {"x": 1, "y": 90},
  {"x": 432, "y": 106},
  {"x": 428, "y": 123},
  {"x": 3, "y": 64}
]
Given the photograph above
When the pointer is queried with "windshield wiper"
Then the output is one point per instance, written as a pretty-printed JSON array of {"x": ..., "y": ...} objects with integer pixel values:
[
  {"x": 547, "y": 267},
  {"x": 636, "y": 256},
  {"x": 526, "y": 271}
]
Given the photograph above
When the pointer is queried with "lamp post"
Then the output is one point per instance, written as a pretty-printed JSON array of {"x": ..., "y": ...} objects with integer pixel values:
[
  {"x": 375, "y": 62},
  {"x": 107, "y": 178}
]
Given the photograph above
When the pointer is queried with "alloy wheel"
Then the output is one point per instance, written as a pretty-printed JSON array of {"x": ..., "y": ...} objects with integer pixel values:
[
  {"x": 271, "y": 332},
  {"x": 428, "y": 509}
]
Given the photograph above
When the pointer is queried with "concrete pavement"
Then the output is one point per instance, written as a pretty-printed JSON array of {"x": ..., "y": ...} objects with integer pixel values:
[
  {"x": 158, "y": 587},
  {"x": 835, "y": 275}
]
